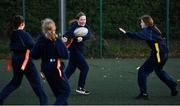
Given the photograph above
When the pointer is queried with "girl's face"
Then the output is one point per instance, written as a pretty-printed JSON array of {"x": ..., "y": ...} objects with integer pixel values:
[
  {"x": 22, "y": 25},
  {"x": 53, "y": 26},
  {"x": 82, "y": 21},
  {"x": 143, "y": 25}
]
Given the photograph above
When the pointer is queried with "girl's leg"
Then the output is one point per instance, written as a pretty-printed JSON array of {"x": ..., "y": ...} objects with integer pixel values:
[
  {"x": 143, "y": 73},
  {"x": 84, "y": 68},
  {"x": 70, "y": 69},
  {"x": 60, "y": 88},
  {"x": 14, "y": 83},
  {"x": 165, "y": 77},
  {"x": 34, "y": 80}
]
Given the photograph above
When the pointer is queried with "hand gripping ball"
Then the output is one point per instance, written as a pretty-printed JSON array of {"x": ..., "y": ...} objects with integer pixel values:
[{"x": 81, "y": 31}]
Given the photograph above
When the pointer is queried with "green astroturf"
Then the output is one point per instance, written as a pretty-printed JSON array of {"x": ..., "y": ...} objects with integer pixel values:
[{"x": 111, "y": 81}]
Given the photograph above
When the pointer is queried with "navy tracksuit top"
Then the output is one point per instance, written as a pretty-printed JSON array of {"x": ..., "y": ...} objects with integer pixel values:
[
  {"x": 21, "y": 41},
  {"x": 152, "y": 37},
  {"x": 47, "y": 50},
  {"x": 156, "y": 61},
  {"x": 77, "y": 59},
  {"x": 70, "y": 34}
]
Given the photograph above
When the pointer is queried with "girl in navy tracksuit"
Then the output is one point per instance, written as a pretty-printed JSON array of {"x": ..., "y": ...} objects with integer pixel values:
[
  {"x": 159, "y": 55},
  {"x": 77, "y": 59},
  {"x": 20, "y": 41},
  {"x": 52, "y": 50}
]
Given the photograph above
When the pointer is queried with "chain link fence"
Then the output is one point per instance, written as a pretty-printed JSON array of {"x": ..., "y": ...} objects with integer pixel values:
[{"x": 103, "y": 16}]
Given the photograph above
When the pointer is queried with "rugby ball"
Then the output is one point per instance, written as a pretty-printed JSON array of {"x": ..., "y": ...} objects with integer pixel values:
[{"x": 81, "y": 31}]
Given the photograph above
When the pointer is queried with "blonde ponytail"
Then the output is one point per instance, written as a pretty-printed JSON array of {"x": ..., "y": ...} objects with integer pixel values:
[{"x": 49, "y": 29}]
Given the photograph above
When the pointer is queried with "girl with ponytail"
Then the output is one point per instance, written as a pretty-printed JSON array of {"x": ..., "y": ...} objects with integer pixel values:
[
  {"x": 20, "y": 43},
  {"x": 159, "y": 55},
  {"x": 52, "y": 51}
]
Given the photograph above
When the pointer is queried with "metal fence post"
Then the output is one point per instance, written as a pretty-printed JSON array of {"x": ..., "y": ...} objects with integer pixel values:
[
  {"x": 62, "y": 4},
  {"x": 167, "y": 22},
  {"x": 101, "y": 29},
  {"x": 24, "y": 9}
]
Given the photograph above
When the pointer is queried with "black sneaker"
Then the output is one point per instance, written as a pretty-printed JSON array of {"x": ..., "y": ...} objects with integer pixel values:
[
  {"x": 82, "y": 91},
  {"x": 174, "y": 92},
  {"x": 142, "y": 96}
]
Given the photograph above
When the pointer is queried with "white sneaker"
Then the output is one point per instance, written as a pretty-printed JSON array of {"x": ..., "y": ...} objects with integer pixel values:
[{"x": 82, "y": 91}]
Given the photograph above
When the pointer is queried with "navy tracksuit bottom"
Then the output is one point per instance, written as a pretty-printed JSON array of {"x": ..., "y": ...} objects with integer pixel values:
[
  {"x": 151, "y": 64},
  {"x": 77, "y": 60},
  {"x": 32, "y": 76},
  {"x": 60, "y": 87}
]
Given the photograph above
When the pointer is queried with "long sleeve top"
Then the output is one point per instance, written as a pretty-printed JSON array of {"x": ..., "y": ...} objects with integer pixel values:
[
  {"x": 152, "y": 37},
  {"x": 47, "y": 49},
  {"x": 21, "y": 41},
  {"x": 70, "y": 35},
  {"x": 154, "y": 41}
]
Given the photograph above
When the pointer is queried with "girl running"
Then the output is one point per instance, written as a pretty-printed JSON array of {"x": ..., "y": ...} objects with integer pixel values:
[
  {"x": 52, "y": 51},
  {"x": 20, "y": 43},
  {"x": 159, "y": 55},
  {"x": 77, "y": 59}
]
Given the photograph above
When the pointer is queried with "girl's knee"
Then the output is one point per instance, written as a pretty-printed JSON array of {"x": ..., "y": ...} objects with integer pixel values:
[{"x": 142, "y": 72}]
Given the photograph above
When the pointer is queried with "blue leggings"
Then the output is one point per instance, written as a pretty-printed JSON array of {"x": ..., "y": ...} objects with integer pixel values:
[
  {"x": 151, "y": 64},
  {"x": 60, "y": 87},
  {"x": 77, "y": 60},
  {"x": 32, "y": 76}
]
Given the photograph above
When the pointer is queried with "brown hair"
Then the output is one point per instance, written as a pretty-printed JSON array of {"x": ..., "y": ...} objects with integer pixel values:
[
  {"x": 77, "y": 17},
  {"x": 147, "y": 19},
  {"x": 47, "y": 29},
  {"x": 15, "y": 22}
]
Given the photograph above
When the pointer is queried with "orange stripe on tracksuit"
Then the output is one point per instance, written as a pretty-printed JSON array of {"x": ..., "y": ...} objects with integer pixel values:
[
  {"x": 70, "y": 43},
  {"x": 26, "y": 59},
  {"x": 9, "y": 66},
  {"x": 59, "y": 68},
  {"x": 59, "y": 62}
]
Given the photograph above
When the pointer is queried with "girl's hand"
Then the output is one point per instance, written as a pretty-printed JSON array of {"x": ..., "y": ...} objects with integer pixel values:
[
  {"x": 122, "y": 30},
  {"x": 79, "y": 39},
  {"x": 64, "y": 39}
]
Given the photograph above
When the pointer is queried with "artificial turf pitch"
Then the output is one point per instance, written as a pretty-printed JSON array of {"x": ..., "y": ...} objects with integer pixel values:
[{"x": 111, "y": 82}]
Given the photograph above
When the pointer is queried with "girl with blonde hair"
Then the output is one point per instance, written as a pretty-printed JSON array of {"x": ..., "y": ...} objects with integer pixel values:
[{"x": 52, "y": 50}]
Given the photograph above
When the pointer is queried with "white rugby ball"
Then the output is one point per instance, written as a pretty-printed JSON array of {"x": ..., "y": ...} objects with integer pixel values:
[{"x": 81, "y": 31}]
